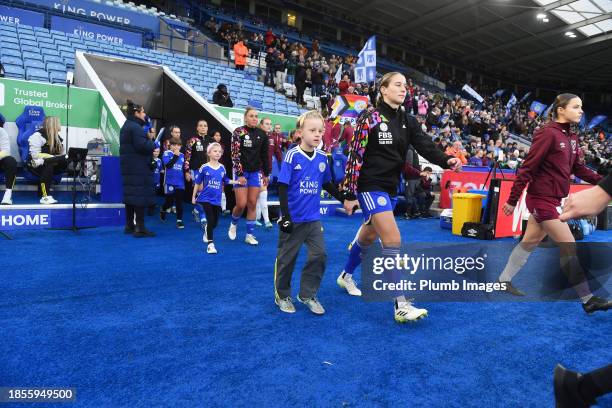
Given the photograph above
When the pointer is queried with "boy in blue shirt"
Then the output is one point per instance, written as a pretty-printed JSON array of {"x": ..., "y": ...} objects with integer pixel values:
[
  {"x": 304, "y": 172},
  {"x": 174, "y": 183},
  {"x": 207, "y": 191}
]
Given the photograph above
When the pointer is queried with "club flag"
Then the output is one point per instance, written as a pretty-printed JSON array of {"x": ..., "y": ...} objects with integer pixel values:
[{"x": 365, "y": 69}]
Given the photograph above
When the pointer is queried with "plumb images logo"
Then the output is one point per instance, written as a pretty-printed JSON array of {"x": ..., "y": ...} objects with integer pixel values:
[{"x": 1, "y": 94}]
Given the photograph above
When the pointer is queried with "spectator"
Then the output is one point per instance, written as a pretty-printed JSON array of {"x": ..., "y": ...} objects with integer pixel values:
[
  {"x": 291, "y": 67},
  {"x": 300, "y": 84},
  {"x": 240, "y": 54},
  {"x": 344, "y": 84},
  {"x": 476, "y": 159},
  {"x": 422, "y": 106},
  {"x": 222, "y": 97},
  {"x": 279, "y": 70},
  {"x": 135, "y": 152},
  {"x": 423, "y": 192},
  {"x": 46, "y": 156},
  {"x": 7, "y": 163},
  {"x": 456, "y": 150},
  {"x": 270, "y": 60},
  {"x": 270, "y": 37},
  {"x": 317, "y": 82}
]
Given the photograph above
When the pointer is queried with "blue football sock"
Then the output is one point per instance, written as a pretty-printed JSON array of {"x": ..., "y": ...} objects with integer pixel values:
[
  {"x": 250, "y": 226},
  {"x": 354, "y": 259},
  {"x": 235, "y": 219}
]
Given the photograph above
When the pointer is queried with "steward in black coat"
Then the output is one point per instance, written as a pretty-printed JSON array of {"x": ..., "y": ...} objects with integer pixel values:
[{"x": 135, "y": 152}]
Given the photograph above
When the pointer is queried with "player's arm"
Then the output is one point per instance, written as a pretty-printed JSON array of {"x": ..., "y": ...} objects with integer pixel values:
[
  {"x": 424, "y": 145},
  {"x": 537, "y": 152},
  {"x": 235, "y": 151},
  {"x": 582, "y": 171},
  {"x": 355, "y": 157}
]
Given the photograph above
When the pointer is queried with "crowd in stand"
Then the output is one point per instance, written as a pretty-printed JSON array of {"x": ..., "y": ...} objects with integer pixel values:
[{"x": 478, "y": 133}]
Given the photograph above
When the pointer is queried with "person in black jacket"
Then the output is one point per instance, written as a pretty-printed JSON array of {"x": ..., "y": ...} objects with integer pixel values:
[
  {"x": 249, "y": 150},
  {"x": 300, "y": 83},
  {"x": 376, "y": 157},
  {"x": 135, "y": 152},
  {"x": 221, "y": 97}
]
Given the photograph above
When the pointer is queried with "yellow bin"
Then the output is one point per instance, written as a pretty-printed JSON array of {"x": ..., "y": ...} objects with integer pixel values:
[{"x": 466, "y": 208}]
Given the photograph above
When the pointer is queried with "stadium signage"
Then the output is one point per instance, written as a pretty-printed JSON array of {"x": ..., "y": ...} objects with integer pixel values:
[
  {"x": 10, "y": 15},
  {"x": 103, "y": 12},
  {"x": 95, "y": 31},
  {"x": 24, "y": 219}
]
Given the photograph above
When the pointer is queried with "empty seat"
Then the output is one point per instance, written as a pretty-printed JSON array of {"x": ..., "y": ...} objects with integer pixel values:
[
  {"x": 14, "y": 71},
  {"x": 8, "y": 59},
  {"x": 29, "y": 48},
  {"x": 56, "y": 66},
  {"x": 53, "y": 58},
  {"x": 36, "y": 74},
  {"x": 9, "y": 52},
  {"x": 31, "y": 56},
  {"x": 33, "y": 64}
]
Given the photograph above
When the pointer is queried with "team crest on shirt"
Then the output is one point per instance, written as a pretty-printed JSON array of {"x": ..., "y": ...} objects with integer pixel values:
[
  {"x": 562, "y": 145},
  {"x": 384, "y": 127},
  {"x": 381, "y": 201},
  {"x": 322, "y": 167}
]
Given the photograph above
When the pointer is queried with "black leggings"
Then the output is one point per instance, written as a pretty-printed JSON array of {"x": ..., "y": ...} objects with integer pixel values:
[
  {"x": 51, "y": 166},
  {"x": 9, "y": 166},
  {"x": 212, "y": 218},
  {"x": 177, "y": 198}
]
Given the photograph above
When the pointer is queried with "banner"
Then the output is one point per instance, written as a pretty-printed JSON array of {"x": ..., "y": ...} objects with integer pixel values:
[
  {"x": 524, "y": 98},
  {"x": 95, "y": 31},
  {"x": 348, "y": 107},
  {"x": 103, "y": 12},
  {"x": 338, "y": 76},
  {"x": 511, "y": 225},
  {"x": 470, "y": 91},
  {"x": 499, "y": 93},
  {"x": 365, "y": 69},
  {"x": 10, "y": 15},
  {"x": 596, "y": 121},
  {"x": 236, "y": 117},
  {"x": 109, "y": 127},
  {"x": 471, "y": 180},
  {"x": 83, "y": 105},
  {"x": 510, "y": 104},
  {"x": 537, "y": 107}
]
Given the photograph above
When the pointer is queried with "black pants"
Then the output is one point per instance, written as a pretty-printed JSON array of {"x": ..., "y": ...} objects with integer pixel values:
[
  {"x": 130, "y": 212},
  {"x": 240, "y": 67},
  {"x": 425, "y": 200},
  {"x": 51, "y": 166},
  {"x": 230, "y": 197},
  {"x": 176, "y": 198},
  {"x": 9, "y": 166},
  {"x": 212, "y": 218},
  {"x": 410, "y": 194},
  {"x": 299, "y": 93}
]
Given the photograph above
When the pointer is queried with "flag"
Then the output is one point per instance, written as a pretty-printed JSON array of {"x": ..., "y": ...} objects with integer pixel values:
[
  {"x": 348, "y": 107},
  {"x": 468, "y": 89},
  {"x": 537, "y": 107},
  {"x": 583, "y": 122},
  {"x": 596, "y": 121},
  {"x": 365, "y": 69},
  {"x": 499, "y": 93},
  {"x": 547, "y": 111},
  {"x": 510, "y": 104},
  {"x": 338, "y": 76},
  {"x": 524, "y": 98}
]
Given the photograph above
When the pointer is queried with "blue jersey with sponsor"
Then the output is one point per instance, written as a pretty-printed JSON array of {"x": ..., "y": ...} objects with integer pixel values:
[
  {"x": 305, "y": 177},
  {"x": 174, "y": 174},
  {"x": 157, "y": 171},
  {"x": 212, "y": 180}
]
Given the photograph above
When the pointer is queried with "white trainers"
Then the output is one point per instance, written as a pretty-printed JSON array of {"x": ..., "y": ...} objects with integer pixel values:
[
  {"x": 7, "y": 201},
  {"x": 211, "y": 249},
  {"x": 250, "y": 239},
  {"x": 48, "y": 200},
  {"x": 204, "y": 238},
  {"x": 345, "y": 280},
  {"x": 313, "y": 304},
  {"x": 285, "y": 305},
  {"x": 231, "y": 233},
  {"x": 405, "y": 312},
  {"x": 269, "y": 225}
]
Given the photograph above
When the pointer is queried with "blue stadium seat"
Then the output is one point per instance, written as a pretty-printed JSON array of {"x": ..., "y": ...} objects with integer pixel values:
[
  {"x": 12, "y": 60},
  {"x": 36, "y": 74},
  {"x": 67, "y": 54},
  {"x": 49, "y": 52},
  {"x": 53, "y": 58},
  {"x": 6, "y": 40},
  {"x": 33, "y": 64},
  {"x": 9, "y": 52},
  {"x": 31, "y": 56},
  {"x": 29, "y": 48},
  {"x": 31, "y": 42},
  {"x": 65, "y": 48},
  {"x": 56, "y": 66},
  {"x": 14, "y": 71},
  {"x": 69, "y": 62},
  {"x": 46, "y": 42},
  {"x": 57, "y": 77}
]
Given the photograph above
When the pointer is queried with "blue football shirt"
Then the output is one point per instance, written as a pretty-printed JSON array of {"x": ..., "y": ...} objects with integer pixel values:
[
  {"x": 174, "y": 174},
  {"x": 305, "y": 177},
  {"x": 212, "y": 180}
]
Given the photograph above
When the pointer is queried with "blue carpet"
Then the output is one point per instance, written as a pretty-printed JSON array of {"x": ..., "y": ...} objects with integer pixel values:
[{"x": 159, "y": 323}]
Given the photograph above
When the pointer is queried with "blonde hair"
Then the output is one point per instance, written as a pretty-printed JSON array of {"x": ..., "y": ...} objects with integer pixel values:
[
  {"x": 212, "y": 146},
  {"x": 385, "y": 81},
  {"x": 311, "y": 114},
  {"x": 248, "y": 109},
  {"x": 52, "y": 127}
]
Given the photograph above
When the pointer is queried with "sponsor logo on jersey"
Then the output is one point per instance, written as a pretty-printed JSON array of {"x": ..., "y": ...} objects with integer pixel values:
[{"x": 298, "y": 167}]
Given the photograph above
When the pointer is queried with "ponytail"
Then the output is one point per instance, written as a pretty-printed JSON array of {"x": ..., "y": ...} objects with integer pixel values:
[
  {"x": 385, "y": 81},
  {"x": 561, "y": 101},
  {"x": 132, "y": 108}
]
